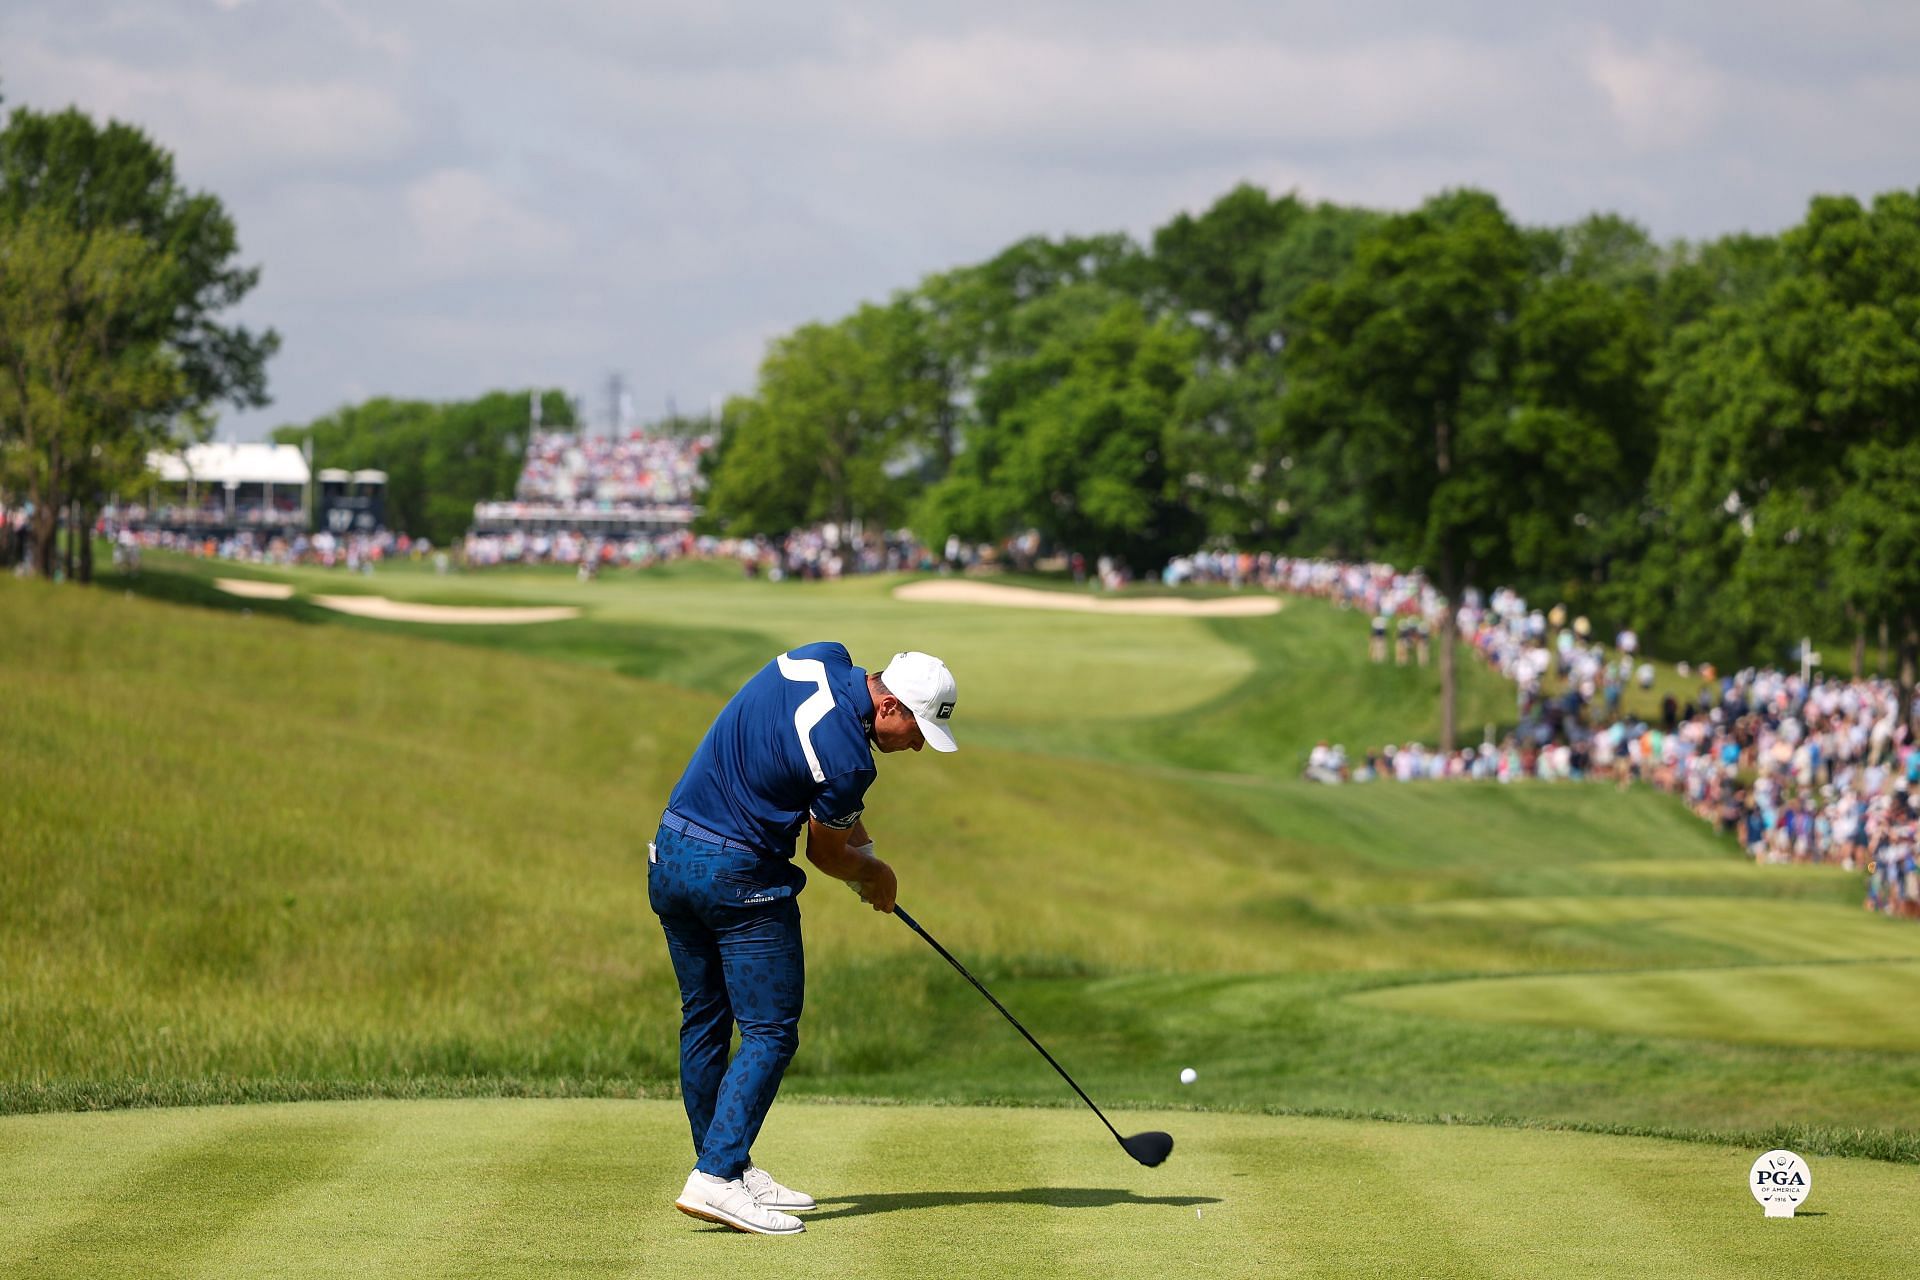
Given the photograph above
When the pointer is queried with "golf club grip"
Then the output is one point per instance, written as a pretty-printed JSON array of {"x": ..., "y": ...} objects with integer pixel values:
[{"x": 946, "y": 955}]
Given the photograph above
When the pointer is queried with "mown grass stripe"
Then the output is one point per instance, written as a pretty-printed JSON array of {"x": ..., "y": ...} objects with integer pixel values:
[
  {"x": 385, "y": 1212},
  {"x": 1842, "y": 1004},
  {"x": 1005, "y": 1207},
  {"x": 582, "y": 1189},
  {"x": 566, "y": 1192},
  {"x": 54, "y": 1173},
  {"x": 160, "y": 1219}
]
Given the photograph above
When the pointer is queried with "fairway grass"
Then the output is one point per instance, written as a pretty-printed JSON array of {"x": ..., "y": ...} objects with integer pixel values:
[
  {"x": 1861, "y": 1005},
  {"x": 253, "y": 851},
  {"x": 1086, "y": 666},
  {"x": 1220, "y": 694},
  {"x": 584, "y": 1188}
]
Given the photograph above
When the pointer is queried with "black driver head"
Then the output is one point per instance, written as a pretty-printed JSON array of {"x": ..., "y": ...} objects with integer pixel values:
[{"x": 1149, "y": 1148}]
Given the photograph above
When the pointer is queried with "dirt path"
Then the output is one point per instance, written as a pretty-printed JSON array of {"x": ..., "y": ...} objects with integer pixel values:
[{"x": 1028, "y": 598}]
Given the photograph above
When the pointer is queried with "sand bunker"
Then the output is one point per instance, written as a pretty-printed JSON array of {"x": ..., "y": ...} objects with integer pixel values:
[
  {"x": 254, "y": 590},
  {"x": 471, "y": 615},
  {"x": 1028, "y": 598}
]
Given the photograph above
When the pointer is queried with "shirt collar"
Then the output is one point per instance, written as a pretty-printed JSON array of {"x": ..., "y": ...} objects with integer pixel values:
[{"x": 863, "y": 700}]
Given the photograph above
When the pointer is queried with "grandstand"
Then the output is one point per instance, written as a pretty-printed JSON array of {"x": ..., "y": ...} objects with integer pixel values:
[
  {"x": 219, "y": 489},
  {"x": 601, "y": 486}
]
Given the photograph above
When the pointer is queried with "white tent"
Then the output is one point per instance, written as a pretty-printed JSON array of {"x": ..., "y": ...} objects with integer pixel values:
[
  {"x": 230, "y": 466},
  {"x": 233, "y": 464}
]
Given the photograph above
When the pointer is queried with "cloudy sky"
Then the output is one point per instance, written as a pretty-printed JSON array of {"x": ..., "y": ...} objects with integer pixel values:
[{"x": 453, "y": 195}]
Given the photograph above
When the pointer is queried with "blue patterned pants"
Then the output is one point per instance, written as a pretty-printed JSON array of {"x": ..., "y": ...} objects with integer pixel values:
[{"x": 733, "y": 929}]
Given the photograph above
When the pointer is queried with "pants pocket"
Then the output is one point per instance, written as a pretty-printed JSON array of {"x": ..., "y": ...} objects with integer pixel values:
[
  {"x": 738, "y": 889},
  {"x": 754, "y": 882}
]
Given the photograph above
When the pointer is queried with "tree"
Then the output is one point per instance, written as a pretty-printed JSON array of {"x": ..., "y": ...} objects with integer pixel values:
[
  {"x": 1230, "y": 451},
  {"x": 1878, "y": 554},
  {"x": 1461, "y": 382},
  {"x": 1074, "y": 439},
  {"x": 956, "y": 325},
  {"x": 1585, "y": 338},
  {"x": 824, "y": 435},
  {"x": 1221, "y": 455},
  {"x": 113, "y": 181},
  {"x": 1732, "y": 271},
  {"x": 1774, "y": 403},
  {"x": 1213, "y": 268},
  {"x": 69, "y": 378}
]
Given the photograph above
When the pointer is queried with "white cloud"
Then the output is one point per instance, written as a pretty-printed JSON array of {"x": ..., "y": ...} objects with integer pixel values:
[
  {"x": 440, "y": 190},
  {"x": 465, "y": 224},
  {"x": 1664, "y": 97},
  {"x": 368, "y": 35},
  {"x": 1018, "y": 92},
  {"x": 215, "y": 120},
  {"x": 1006, "y": 89}
]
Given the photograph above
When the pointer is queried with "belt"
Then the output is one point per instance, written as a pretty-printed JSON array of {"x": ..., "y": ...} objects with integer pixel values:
[{"x": 674, "y": 822}]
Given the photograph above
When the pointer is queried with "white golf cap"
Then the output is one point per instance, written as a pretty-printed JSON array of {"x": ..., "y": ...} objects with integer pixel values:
[{"x": 925, "y": 687}]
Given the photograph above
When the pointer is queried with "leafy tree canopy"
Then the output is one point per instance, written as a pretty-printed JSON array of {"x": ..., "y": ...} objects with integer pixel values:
[{"x": 117, "y": 281}]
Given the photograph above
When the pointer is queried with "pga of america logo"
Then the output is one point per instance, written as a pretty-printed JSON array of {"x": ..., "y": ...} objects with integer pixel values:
[{"x": 1780, "y": 1180}]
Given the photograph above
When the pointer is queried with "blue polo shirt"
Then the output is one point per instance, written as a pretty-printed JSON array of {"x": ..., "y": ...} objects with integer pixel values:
[{"x": 791, "y": 743}]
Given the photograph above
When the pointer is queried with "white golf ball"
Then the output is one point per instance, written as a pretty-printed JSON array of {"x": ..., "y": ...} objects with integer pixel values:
[{"x": 1188, "y": 1075}]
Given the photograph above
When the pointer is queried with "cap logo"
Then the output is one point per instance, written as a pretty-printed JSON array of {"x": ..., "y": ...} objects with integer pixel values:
[{"x": 945, "y": 712}]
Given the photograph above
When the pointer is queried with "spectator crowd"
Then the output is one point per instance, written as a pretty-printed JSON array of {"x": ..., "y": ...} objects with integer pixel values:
[
  {"x": 821, "y": 551},
  {"x": 1796, "y": 767},
  {"x": 356, "y": 552},
  {"x": 608, "y": 473}
]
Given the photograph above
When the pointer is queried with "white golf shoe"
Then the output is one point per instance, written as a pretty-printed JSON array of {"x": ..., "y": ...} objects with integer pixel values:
[
  {"x": 771, "y": 1195},
  {"x": 730, "y": 1204}
]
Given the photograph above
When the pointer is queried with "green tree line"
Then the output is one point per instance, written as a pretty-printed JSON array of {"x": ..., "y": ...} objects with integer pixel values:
[{"x": 1717, "y": 443}]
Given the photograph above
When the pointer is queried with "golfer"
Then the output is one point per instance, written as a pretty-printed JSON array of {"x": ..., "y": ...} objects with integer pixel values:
[{"x": 793, "y": 749}]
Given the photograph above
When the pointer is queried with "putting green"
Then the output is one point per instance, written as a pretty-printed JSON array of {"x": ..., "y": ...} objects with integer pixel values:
[
  {"x": 1867, "y": 1005},
  {"x": 583, "y": 1188}
]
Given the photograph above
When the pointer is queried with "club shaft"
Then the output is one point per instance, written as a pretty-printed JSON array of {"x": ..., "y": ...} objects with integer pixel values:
[{"x": 914, "y": 925}]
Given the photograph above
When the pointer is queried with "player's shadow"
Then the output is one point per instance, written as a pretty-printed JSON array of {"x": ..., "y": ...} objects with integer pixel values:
[{"x": 855, "y": 1206}]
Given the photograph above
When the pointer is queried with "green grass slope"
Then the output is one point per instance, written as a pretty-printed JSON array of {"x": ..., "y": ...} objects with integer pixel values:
[
  {"x": 281, "y": 855},
  {"x": 540, "y": 1189}
]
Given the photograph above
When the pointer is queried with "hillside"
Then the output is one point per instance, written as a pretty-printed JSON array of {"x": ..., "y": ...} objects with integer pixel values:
[{"x": 253, "y": 858}]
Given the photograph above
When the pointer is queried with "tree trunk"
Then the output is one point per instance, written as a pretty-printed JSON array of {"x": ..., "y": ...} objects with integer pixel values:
[
  {"x": 72, "y": 512},
  {"x": 1909, "y": 643},
  {"x": 1449, "y": 596},
  {"x": 86, "y": 544},
  {"x": 45, "y": 538},
  {"x": 1449, "y": 631}
]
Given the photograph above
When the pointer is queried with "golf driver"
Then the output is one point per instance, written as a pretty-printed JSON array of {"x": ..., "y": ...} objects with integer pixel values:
[{"x": 1148, "y": 1148}]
